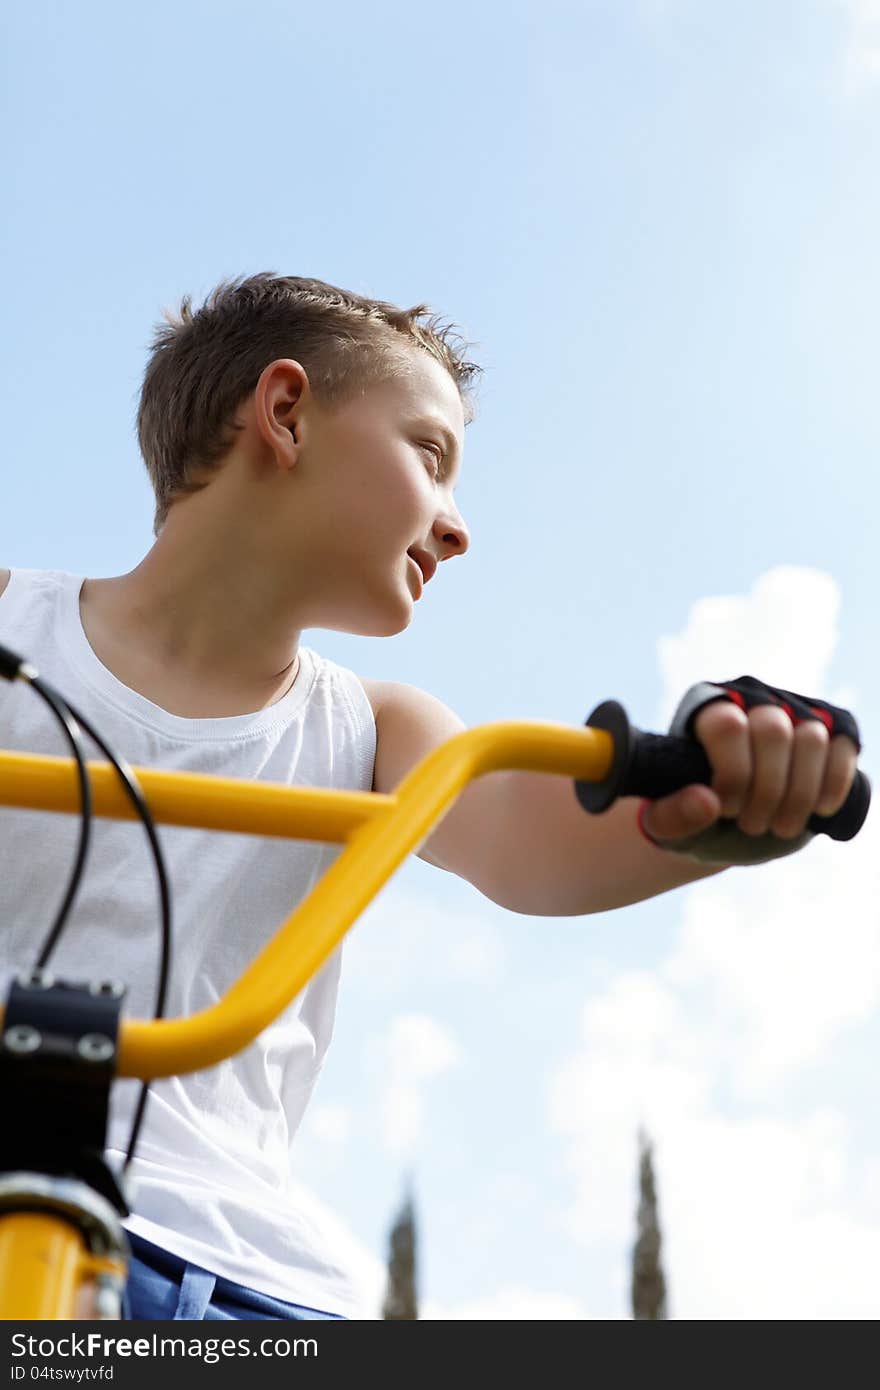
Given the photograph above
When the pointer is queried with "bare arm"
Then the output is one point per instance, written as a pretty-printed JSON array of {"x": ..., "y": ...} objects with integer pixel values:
[{"x": 522, "y": 838}]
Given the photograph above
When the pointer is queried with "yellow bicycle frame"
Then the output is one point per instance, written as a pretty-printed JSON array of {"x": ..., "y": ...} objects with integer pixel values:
[{"x": 44, "y": 1263}]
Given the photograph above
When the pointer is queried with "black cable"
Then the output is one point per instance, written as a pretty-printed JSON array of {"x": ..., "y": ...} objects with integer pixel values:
[
  {"x": 13, "y": 666},
  {"x": 136, "y": 797},
  {"x": 77, "y": 747}
]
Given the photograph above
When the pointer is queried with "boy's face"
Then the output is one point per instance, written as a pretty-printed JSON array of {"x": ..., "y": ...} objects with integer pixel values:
[{"x": 363, "y": 484}]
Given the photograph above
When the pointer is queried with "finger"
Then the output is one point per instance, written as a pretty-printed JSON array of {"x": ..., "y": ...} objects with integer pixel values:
[
  {"x": 840, "y": 769},
  {"x": 685, "y": 812},
  {"x": 723, "y": 730},
  {"x": 772, "y": 734},
  {"x": 809, "y": 754}
]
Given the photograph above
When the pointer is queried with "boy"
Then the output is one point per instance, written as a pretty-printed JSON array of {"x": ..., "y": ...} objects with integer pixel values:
[{"x": 304, "y": 444}]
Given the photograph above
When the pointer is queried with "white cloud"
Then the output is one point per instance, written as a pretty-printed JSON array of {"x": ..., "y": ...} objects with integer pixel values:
[
  {"x": 405, "y": 936},
  {"x": 784, "y": 632},
  {"x": 760, "y": 1221},
  {"x": 760, "y": 942},
  {"x": 861, "y": 58},
  {"x": 477, "y": 956},
  {"x": 765, "y": 1202},
  {"x": 415, "y": 1051},
  {"x": 510, "y": 1305},
  {"x": 640, "y": 1064},
  {"x": 419, "y": 1047},
  {"x": 330, "y": 1124},
  {"x": 762, "y": 1214},
  {"x": 789, "y": 954}
]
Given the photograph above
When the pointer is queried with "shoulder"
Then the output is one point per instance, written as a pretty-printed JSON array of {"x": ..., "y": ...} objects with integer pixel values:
[
  {"x": 396, "y": 699},
  {"x": 4, "y": 579},
  {"x": 409, "y": 724},
  {"x": 374, "y": 690},
  {"x": 396, "y": 703}
]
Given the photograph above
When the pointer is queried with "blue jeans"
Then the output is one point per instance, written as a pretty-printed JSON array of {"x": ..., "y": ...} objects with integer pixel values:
[{"x": 161, "y": 1286}]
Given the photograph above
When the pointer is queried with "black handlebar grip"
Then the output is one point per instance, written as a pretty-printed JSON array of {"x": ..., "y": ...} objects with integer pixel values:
[{"x": 655, "y": 765}]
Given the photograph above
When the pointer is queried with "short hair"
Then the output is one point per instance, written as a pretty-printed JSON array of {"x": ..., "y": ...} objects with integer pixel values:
[{"x": 205, "y": 363}]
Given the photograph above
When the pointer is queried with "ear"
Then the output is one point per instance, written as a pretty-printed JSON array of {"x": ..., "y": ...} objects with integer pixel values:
[{"x": 279, "y": 398}]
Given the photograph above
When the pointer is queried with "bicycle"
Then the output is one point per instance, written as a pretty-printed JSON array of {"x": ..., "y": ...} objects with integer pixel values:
[{"x": 61, "y": 1206}]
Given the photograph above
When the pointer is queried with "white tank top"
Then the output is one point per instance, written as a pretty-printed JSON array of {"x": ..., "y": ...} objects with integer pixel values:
[{"x": 213, "y": 1171}]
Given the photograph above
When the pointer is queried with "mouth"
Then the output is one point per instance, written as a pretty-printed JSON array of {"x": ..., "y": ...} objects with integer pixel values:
[{"x": 425, "y": 562}]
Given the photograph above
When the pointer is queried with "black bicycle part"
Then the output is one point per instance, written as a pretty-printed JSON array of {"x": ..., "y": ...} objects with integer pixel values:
[
  {"x": 57, "y": 1063},
  {"x": 655, "y": 765}
]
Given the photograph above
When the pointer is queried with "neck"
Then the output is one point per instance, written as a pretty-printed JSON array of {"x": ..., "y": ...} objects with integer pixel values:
[{"x": 196, "y": 607}]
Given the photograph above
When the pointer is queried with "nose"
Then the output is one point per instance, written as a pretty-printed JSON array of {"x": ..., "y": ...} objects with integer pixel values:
[{"x": 452, "y": 535}]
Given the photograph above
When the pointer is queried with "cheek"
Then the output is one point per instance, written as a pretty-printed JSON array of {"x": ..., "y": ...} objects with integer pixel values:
[
  {"x": 384, "y": 490},
  {"x": 404, "y": 494}
]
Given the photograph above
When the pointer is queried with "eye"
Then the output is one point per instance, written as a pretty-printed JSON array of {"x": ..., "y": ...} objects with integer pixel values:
[{"x": 436, "y": 454}]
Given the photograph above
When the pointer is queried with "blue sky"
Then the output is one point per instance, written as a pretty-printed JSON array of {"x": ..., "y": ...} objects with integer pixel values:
[{"x": 656, "y": 220}]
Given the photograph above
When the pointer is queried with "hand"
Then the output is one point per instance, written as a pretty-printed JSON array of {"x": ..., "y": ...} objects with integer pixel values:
[{"x": 768, "y": 775}]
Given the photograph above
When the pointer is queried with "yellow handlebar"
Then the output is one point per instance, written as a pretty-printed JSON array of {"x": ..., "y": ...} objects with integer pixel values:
[{"x": 381, "y": 831}]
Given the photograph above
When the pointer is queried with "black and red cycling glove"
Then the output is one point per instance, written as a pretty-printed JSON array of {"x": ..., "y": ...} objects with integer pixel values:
[{"x": 724, "y": 842}]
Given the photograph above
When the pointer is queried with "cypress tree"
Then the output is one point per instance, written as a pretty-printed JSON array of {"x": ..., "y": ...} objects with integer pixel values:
[
  {"x": 648, "y": 1282},
  {"x": 401, "y": 1299}
]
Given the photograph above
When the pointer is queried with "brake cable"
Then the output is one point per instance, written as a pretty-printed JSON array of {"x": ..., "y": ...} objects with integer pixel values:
[{"x": 14, "y": 667}]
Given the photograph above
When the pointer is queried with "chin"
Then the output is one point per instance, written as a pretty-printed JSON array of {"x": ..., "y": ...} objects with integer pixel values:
[
  {"x": 387, "y": 625},
  {"x": 378, "y": 620},
  {"x": 389, "y": 613}
]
